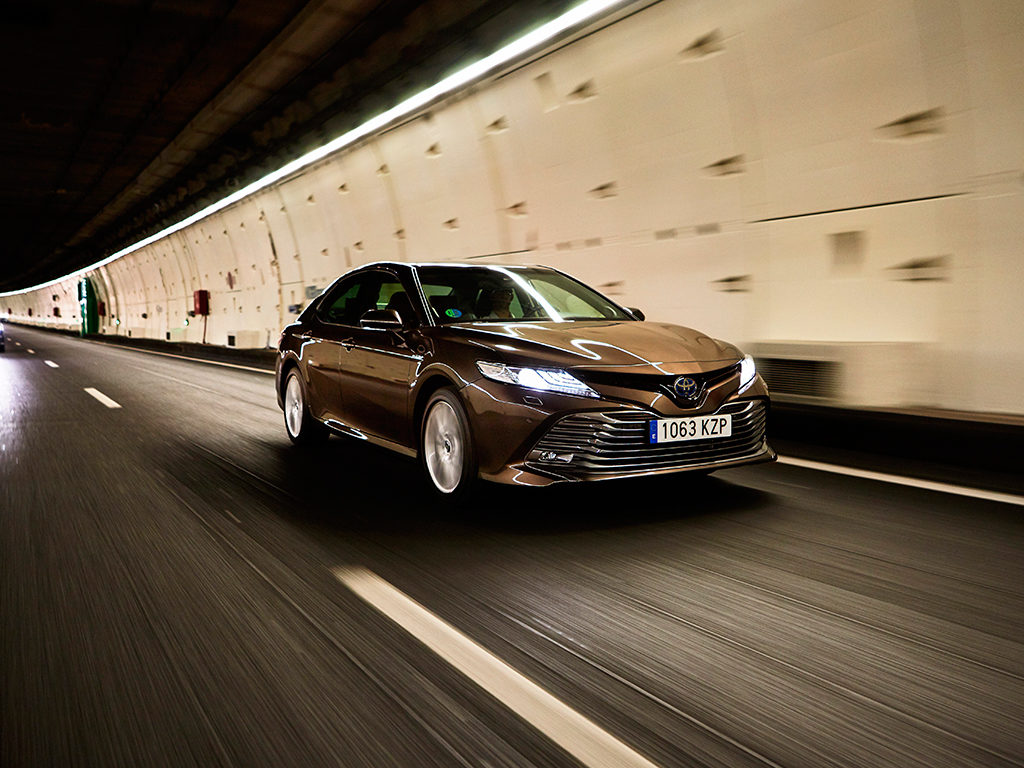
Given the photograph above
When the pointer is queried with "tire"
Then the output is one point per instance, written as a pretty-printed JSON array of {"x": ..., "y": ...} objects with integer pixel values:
[
  {"x": 447, "y": 452},
  {"x": 302, "y": 428}
]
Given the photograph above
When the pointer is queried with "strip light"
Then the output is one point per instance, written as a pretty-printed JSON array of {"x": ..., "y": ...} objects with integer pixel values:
[{"x": 581, "y": 13}]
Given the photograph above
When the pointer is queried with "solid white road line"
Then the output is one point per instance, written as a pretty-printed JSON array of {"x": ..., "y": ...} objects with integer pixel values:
[
  {"x": 577, "y": 735},
  {"x": 913, "y": 482},
  {"x": 102, "y": 398},
  {"x": 191, "y": 359},
  {"x": 51, "y": 363}
]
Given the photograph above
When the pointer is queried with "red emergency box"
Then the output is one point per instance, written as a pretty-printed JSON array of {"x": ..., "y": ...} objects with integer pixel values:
[{"x": 201, "y": 302}]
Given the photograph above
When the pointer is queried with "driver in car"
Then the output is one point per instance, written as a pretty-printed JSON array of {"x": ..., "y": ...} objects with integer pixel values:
[{"x": 500, "y": 301}]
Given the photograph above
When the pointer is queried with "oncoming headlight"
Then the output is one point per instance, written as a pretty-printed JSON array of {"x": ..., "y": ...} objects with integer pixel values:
[
  {"x": 747, "y": 371},
  {"x": 543, "y": 379}
]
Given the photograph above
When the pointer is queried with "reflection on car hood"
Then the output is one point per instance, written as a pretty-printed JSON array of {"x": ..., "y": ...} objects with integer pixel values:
[{"x": 644, "y": 347}]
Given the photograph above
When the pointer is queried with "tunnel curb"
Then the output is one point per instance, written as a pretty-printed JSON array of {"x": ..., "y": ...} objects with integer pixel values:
[{"x": 257, "y": 358}]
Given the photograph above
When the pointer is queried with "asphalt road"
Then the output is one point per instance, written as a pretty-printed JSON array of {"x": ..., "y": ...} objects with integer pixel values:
[{"x": 180, "y": 586}]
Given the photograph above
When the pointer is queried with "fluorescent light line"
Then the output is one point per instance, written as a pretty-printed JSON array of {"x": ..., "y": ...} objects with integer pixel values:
[{"x": 583, "y": 12}]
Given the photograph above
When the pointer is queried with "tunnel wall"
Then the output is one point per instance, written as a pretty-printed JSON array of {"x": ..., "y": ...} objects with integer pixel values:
[{"x": 836, "y": 184}]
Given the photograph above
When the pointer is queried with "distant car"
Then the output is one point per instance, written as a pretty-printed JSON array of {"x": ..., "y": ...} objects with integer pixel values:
[{"x": 516, "y": 375}]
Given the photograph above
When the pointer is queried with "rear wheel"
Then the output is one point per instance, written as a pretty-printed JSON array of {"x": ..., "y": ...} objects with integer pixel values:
[
  {"x": 302, "y": 428},
  {"x": 446, "y": 445}
]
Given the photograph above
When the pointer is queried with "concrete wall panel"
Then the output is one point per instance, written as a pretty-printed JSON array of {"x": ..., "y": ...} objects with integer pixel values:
[{"x": 828, "y": 175}]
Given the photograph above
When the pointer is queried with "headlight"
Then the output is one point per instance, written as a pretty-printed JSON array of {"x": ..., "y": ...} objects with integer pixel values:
[
  {"x": 747, "y": 371},
  {"x": 543, "y": 379}
]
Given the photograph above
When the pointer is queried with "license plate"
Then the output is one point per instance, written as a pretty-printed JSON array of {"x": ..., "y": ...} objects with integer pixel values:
[{"x": 690, "y": 428}]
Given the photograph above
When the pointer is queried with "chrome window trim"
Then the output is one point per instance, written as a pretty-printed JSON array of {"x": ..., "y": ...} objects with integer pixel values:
[{"x": 422, "y": 297}]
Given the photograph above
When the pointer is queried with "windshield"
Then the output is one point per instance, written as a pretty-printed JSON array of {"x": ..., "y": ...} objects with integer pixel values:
[{"x": 503, "y": 294}]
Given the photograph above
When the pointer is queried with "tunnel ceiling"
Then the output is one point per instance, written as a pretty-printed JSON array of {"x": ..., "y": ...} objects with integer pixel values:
[{"x": 121, "y": 117}]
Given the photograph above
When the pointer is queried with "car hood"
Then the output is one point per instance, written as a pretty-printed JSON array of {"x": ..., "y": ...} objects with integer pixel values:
[{"x": 643, "y": 347}]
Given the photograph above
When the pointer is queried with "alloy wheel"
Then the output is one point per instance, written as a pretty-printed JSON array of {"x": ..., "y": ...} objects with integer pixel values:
[
  {"x": 444, "y": 447},
  {"x": 293, "y": 405}
]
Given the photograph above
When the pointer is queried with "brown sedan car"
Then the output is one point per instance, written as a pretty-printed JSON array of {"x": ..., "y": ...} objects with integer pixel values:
[{"x": 516, "y": 375}]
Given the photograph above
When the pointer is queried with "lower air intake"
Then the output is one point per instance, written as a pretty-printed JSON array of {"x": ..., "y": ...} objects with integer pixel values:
[{"x": 616, "y": 443}]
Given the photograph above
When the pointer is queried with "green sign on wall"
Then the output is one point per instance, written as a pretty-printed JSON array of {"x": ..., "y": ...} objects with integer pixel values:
[{"x": 87, "y": 303}]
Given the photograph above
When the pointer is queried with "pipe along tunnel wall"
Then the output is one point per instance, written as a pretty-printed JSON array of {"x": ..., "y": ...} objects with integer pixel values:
[{"x": 836, "y": 185}]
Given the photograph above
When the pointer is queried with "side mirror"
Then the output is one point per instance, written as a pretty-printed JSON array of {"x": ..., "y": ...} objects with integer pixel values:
[
  {"x": 636, "y": 313},
  {"x": 381, "y": 320}
]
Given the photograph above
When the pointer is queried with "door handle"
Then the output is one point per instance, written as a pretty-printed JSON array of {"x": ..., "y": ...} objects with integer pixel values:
[{"x": 348, "y": 344}]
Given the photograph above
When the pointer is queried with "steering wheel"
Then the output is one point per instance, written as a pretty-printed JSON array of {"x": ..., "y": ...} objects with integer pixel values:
[{"x": 533, "y": 311}]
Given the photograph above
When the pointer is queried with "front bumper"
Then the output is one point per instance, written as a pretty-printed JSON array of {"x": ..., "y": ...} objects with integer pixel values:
[
  {"x": 577, "y": 439},
  {"x": 609, "y": 444}
]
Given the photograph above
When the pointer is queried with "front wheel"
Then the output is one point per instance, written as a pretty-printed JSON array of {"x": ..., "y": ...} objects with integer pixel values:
[
  {"x": 446, "y": 445},
  {"x": 302, "y": 428}
]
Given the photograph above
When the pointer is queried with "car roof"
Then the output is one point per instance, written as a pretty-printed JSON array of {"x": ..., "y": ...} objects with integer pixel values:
[{"x": 403, "y": 264}]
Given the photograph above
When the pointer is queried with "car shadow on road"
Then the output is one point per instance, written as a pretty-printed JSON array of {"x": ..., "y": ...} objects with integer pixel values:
[
  {"x": 345, "y": 484},
  {"x": 569, "y": 507}
]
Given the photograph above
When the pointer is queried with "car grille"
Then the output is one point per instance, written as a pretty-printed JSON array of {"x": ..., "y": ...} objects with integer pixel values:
[
  {"x": 661, "y": 384},
  {"x": 616, "y": 442}
]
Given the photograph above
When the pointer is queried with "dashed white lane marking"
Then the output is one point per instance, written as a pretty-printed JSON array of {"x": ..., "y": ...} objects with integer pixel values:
[
  {"x": 30, "y": 351},
  {"x": 51, "y": 363},
  {"x": 102, "y": 398},
  {"x": 913, "y": 482},
  {"x": 577, "y": 735}
]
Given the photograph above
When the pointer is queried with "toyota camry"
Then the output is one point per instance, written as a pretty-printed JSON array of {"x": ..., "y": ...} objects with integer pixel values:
[{"x": 514, "y": 374}]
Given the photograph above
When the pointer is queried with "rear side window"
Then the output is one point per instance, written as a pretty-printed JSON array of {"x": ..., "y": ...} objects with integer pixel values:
[{"x": 352, "y": 298}]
